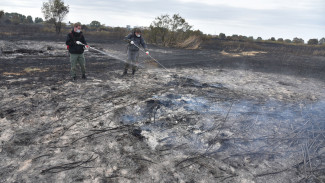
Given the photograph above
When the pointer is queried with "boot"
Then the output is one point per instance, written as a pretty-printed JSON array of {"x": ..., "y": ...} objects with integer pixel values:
[
  {"x": 84, "y": 76},
  {"x": 74, "y": 78},
  {"x": 125, "y": 72},
  {"x": 133, "y": 72}
]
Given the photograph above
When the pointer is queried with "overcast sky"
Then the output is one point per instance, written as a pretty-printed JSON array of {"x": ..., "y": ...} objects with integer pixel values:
[{"x": 265, "y": 18}]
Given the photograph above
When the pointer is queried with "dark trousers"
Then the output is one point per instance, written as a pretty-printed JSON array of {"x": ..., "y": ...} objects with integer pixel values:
[{"x": 133, "y": 58}]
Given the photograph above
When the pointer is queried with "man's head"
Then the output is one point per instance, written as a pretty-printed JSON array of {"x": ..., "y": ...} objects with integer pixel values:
[
  {"x": 77, "y": 27},
  {"x": 137, "y": 32}
]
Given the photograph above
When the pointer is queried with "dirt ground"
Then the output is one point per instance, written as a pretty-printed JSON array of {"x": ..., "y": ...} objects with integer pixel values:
[{"x": 209, "y": 116}]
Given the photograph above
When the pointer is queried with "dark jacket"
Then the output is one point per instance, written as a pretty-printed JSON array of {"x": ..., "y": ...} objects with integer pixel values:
[
  {"x": 74, "y": 48},
  {"x": 137, "y": 41}
]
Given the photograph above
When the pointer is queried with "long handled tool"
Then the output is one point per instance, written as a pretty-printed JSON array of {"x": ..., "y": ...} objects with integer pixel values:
[
  {"x": 105, "y": 53},
  {"x": 88, "y": 47},
  {"x": 160, "y": 63},
  {"x": 152, "y": 57},
  {"x": 80, "y": 43}
]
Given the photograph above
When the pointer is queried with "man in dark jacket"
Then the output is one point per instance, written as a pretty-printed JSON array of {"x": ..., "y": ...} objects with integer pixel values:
[
  {"x": 76, "y": 50},
  {"x": 135, "y": 40}
]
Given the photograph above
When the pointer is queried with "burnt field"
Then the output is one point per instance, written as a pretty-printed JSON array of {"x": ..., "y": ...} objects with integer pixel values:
[{"x": 210, "y": 116}]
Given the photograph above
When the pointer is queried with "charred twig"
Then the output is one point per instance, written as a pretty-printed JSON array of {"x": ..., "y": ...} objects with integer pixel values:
[
  {"x": 186, "y": 159},
  {"x": 189, "y": 165},
  {"x": 272, "y": 173},
  {"x": 163, "y": 139},
  {"x": 154, "y": 113},
  {"x": 41, "y": 156},
  {"x": 189, "y": 159},
  {"x": 165, "y": 149},
  {"x": 314, "y": 141},
  {"x": 98, "y": 132},
  {"x": 180, "y": 146},
  {"x": 204, "y": 155},
  {"x": 85, "y": 137},
  {"x": 229, "y": 110},
  {"x": 67, "y": 128},
  {"x": 304, "y": 161},
  {"x": 112, "y": 177},
  {"x": 110, "y": 129},
  {"x": 308, "y": 155},
  {"x": 117, "y": 176},
  {"x": 68, "y": 166},
  {"x": 173, "y": 147},
  {"x": 165, "y": 154}
]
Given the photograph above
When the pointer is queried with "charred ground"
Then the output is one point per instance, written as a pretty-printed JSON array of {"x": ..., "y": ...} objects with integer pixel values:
[{"x": 215, "y": 116}]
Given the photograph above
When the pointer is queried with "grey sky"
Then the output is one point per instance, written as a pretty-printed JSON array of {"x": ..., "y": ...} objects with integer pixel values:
[{"x": 265, "y": 18}]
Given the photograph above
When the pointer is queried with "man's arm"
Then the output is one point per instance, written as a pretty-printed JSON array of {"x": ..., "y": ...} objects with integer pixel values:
[
  {"x": 69, "y": 40},
  {"x": 83, "y": 40},
  {"x": 128, "y": 38},
  {"x": 143, "y": 43}
]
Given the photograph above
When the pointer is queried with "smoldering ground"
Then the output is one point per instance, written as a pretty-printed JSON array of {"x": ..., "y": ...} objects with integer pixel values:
[{"x": 214, "y": 117}]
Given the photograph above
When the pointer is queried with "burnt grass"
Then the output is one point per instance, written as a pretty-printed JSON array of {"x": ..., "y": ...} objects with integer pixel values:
[{"x": 211, "y": 117}]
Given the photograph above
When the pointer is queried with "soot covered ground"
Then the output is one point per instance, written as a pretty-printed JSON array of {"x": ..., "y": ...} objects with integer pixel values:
[{"x": 210, "y": 117}]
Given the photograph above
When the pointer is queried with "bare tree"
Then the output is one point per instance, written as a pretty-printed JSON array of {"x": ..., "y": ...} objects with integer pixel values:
[
  {"x": 169, "y": 28},
  {"x": 54, "y": 12},
  {"x": 179, "y": 24},
  {"x": 160, "y": 27}
]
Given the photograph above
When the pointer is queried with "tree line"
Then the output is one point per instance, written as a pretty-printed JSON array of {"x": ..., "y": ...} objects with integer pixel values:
[
  {"x": 16, "y": 18},
  {"x": 165, "y": 30},
  {"x": 295, "y": 40}
]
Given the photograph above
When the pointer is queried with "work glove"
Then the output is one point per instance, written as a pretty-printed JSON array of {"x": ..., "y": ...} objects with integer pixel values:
[
  {"x": 131, "y": 42},
  {"x": 147, "y": 52},
  {"x": 78, "y": 42},
  {"x": 86, "y": 47}
]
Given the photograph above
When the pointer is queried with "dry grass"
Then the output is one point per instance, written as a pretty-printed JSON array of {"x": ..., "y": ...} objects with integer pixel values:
[
  {"x": 8, "y": 33},
  {"x": 48, "y": 30},
  {"x": 319, "y": 53},
  {"x": 35, "y": 69},
  {"x": 26, "y": 71},
  {"x": 12, "y": 73},
  {"x": 193, "y": 42},
  {"x": 252, "y": 53},
  {"x": 240, "y": 54}
]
